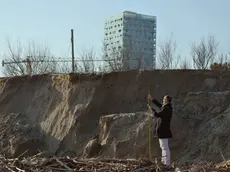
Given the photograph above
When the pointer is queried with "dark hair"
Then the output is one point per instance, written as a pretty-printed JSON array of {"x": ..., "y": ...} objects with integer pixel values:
[{"x": 169, "y": 98}]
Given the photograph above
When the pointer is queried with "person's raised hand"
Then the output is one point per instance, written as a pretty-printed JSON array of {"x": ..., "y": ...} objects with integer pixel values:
[{"x": 149, "y": 107}]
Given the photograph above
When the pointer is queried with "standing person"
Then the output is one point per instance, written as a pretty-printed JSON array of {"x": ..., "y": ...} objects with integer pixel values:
[{"x": 163, "y": 130}]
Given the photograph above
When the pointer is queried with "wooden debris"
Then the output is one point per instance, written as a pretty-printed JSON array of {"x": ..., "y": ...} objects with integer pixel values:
[{"x": 61, "y": 164}]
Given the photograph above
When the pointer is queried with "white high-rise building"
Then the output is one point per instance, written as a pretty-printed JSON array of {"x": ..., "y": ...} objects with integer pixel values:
[{"x": 131, "y": 37}]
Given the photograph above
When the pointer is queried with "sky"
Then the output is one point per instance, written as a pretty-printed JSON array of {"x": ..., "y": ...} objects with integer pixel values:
[{"x": 50, "y": 22}]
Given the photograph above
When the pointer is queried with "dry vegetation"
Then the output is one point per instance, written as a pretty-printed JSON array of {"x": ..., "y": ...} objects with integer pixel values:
[
  {"x": 204, "y": 55},
  {"x": 58, "y": 164}
]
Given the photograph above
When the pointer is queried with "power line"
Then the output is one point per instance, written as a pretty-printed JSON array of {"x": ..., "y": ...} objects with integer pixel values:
[
  {"x": 4, "y": 62},
  {"x": 59, "y": 59}
]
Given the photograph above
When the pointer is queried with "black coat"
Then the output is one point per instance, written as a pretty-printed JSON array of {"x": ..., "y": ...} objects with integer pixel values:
[{"x": 163, "y": 130}]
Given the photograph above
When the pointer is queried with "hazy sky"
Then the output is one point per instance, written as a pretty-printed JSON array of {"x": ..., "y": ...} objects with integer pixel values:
[{"x": 50, "y": 21}]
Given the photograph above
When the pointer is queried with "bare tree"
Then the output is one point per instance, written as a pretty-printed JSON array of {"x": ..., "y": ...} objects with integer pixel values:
[
  {"x": 17, "y": 57},
  {"x": 167, "y": 55},
  {"x": 87, "y": 63},
  {"x": 222, "y": 58},
  {"x": 139, "y": 62},
  {"x": 113, "y": 58},
  {"x": 185, "y": 64},
  {"x": 64, "y": 67},
  {"x": 204, "y": 53},
  {"x": 121, "y": 58},
  {"x": 221, "y": 63}
]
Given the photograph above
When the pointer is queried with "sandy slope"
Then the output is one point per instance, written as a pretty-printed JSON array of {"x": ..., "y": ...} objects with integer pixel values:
[{"x": 66, "y": 109}]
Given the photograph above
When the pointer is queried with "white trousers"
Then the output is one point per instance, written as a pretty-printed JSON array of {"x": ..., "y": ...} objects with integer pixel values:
[{"x": 165, "y": 151}]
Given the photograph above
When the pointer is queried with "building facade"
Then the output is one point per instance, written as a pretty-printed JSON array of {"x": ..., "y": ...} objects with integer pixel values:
[{"x": 131, "y": 37}]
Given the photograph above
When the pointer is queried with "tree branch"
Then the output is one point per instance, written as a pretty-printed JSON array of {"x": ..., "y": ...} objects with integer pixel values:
[{"x": 204, "y": 53}]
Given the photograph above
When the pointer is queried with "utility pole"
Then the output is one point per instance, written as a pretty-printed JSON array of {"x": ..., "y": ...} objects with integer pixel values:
[{"x": 72, "y": 43}]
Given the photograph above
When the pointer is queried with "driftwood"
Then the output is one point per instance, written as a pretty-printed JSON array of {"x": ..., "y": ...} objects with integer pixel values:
[{"x": 61, "y": 164}]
